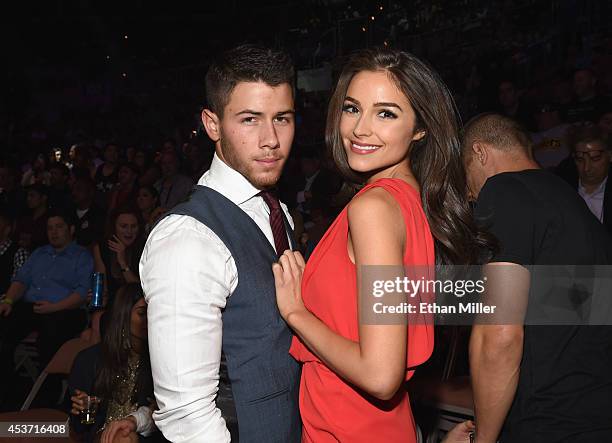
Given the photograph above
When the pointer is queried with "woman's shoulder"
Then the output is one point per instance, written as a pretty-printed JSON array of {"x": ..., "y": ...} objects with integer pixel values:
[
  {"x": 386, "y": 195},
  {"x": 373, "y": 209}
]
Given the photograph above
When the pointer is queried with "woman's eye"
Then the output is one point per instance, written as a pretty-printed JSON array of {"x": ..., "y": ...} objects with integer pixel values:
[
  {"x": 387, "y": 114},
  {"x": 351, "y": 109}
]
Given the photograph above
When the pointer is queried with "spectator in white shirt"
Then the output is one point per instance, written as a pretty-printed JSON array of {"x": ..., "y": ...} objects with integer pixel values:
[{"x": 592, "y": 156}]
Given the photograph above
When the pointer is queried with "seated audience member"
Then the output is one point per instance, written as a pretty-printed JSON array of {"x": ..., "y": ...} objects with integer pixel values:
[
  {"x": 124, "y": 191},
  {"x": 511, "y": 104},
  {"x": 148, "y": 204},
  {"x": 12, "y": 196},
  {"x": 592, "y": 156},
  {"x": 38, "y": 174},
  {"x": 83, "y": 161},
  {"x": 197, "y": 161},
  {"x": 59, "y": 191},
  {"x": 149, "y": 172},
  {"x": 12, "y": 257},
  {"x": 550, "y": 145},
  {"x": 46, "y": 295},
  {"x": 605, "y": 123},
  {"x": 117, "y": 371},
  {"x": 106, "y": 173},
  {"x": 89, "y": 217},
  {"x": 587, "y": 105},
  {"x": 173, "y": 187},
  {"x": 32, "y": 228},
  {"x": 117, "y": 257}
]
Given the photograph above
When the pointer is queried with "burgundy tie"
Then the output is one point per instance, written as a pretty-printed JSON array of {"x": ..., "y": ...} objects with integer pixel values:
[{"x": 276, "y": 222}]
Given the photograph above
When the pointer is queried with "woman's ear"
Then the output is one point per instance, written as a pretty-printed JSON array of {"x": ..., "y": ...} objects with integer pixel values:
[
  {"x": 418, "y": 135},
  {"x": 211, "y": 124}
]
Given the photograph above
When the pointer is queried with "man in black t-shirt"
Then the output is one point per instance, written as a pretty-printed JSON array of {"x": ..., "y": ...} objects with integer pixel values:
[{"x": 534, "y": 383}]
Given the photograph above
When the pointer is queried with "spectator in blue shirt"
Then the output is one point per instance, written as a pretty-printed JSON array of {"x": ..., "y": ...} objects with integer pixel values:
[{"x": 46, "y": 295}]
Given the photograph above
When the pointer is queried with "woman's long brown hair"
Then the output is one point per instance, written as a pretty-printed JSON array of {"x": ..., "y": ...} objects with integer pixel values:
[
  {"x": 435, "y": 160},
  {"x": 116, "y": 347}
]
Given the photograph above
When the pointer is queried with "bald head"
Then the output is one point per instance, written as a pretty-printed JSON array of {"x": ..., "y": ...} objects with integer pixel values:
[{"x": 493, "y": 144}]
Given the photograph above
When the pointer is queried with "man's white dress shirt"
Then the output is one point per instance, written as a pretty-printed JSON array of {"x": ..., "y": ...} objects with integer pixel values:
[
  {"x": 595, "y": 199},
  {"x": 187, "y": 273}
]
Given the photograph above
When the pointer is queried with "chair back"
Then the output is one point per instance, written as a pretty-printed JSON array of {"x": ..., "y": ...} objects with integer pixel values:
[{"x": 61, "y": 363}]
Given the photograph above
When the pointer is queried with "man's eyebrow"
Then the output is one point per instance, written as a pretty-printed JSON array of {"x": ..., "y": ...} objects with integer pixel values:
[
  {"x": 249, "y": 111},
  {"x": 258, "y": 113}
]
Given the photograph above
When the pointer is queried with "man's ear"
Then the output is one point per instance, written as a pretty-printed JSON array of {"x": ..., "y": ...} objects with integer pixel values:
[
  {"x": 72, "y": 230},
  {"x": 211, "y": 124},
  {"x": 480, "y": 151}
]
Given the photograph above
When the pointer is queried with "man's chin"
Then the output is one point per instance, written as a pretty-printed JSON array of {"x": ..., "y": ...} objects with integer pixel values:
[{"x": 263, "y": 181}]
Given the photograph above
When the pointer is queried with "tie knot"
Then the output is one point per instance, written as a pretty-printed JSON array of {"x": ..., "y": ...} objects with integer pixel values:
[{"x": 270, "y": 199}]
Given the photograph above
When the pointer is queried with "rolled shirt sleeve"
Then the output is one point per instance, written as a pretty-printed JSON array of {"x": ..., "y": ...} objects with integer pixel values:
[
  {"x": 24, "y": 275},
  {"x": 187, "y": 273}
]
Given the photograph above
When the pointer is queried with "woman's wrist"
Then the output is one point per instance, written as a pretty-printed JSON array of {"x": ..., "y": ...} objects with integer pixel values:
[{"x": 294, "y": 317}]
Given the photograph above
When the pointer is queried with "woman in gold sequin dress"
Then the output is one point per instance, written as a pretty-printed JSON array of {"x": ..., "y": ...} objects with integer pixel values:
[{"x": 117, "y": 371}]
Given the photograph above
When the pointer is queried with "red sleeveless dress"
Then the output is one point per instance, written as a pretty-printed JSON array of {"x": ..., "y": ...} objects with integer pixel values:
[{"x": 333, "y": 410}]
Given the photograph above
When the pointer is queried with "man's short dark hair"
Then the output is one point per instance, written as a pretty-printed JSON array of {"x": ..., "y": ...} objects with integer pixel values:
[
  {"x": 501, "y": 132},
  {"x": 587, "y": 134},
  {"x": 245, "y": 63},
  {"x": 68, "y": 217}
]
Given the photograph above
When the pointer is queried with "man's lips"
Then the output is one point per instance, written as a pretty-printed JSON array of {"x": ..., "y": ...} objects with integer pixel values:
[{"x": 268, "y": 161}]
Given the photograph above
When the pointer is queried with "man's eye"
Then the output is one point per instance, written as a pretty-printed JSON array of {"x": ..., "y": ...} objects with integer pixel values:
[
  {"x": 350, "y": 109},
  {"x": 248, "y": 120},
  {"x": 282, "y": 119}
]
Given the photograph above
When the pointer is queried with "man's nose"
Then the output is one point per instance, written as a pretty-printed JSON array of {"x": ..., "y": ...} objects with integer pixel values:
[{"x": 268, "y": 136}]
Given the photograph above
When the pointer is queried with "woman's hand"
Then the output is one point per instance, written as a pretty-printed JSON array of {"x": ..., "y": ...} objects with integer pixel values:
[
  {"x": 288, "y": 281},
  {"x": 118, "y": 428},
  {"x": 460, "y": 433},
  {"x": 118, "y": 247},
  {"x": 78, "y": 402}
]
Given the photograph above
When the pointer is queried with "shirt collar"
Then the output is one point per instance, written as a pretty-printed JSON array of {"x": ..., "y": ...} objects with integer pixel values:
[
  {"x": 600, "y": 189},
  {"x": 227, "y": 181}
]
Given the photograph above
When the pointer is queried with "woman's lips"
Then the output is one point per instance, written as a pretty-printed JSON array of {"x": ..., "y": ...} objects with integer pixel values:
[{"x": 363, "y": 149}]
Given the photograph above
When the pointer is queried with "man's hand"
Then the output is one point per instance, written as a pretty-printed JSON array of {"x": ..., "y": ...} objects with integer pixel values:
[
  {"x": 121, "y": 428},
  {"x": 44, "y": 307},
  {"x": 5, "y": 309}
]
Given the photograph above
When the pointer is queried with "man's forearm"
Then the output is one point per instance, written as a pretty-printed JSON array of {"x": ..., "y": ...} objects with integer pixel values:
[
  {"x": 494, "y": 364},
  {"x": 73, "y": 301},
  {"x": 15, "y": 291}
]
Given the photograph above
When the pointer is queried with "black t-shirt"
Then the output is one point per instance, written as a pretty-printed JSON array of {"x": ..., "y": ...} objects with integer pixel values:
[{"x": 564, "y": 392}]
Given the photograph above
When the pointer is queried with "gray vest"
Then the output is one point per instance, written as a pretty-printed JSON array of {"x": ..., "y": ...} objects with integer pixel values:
[{"x": 264, "y": 377}]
